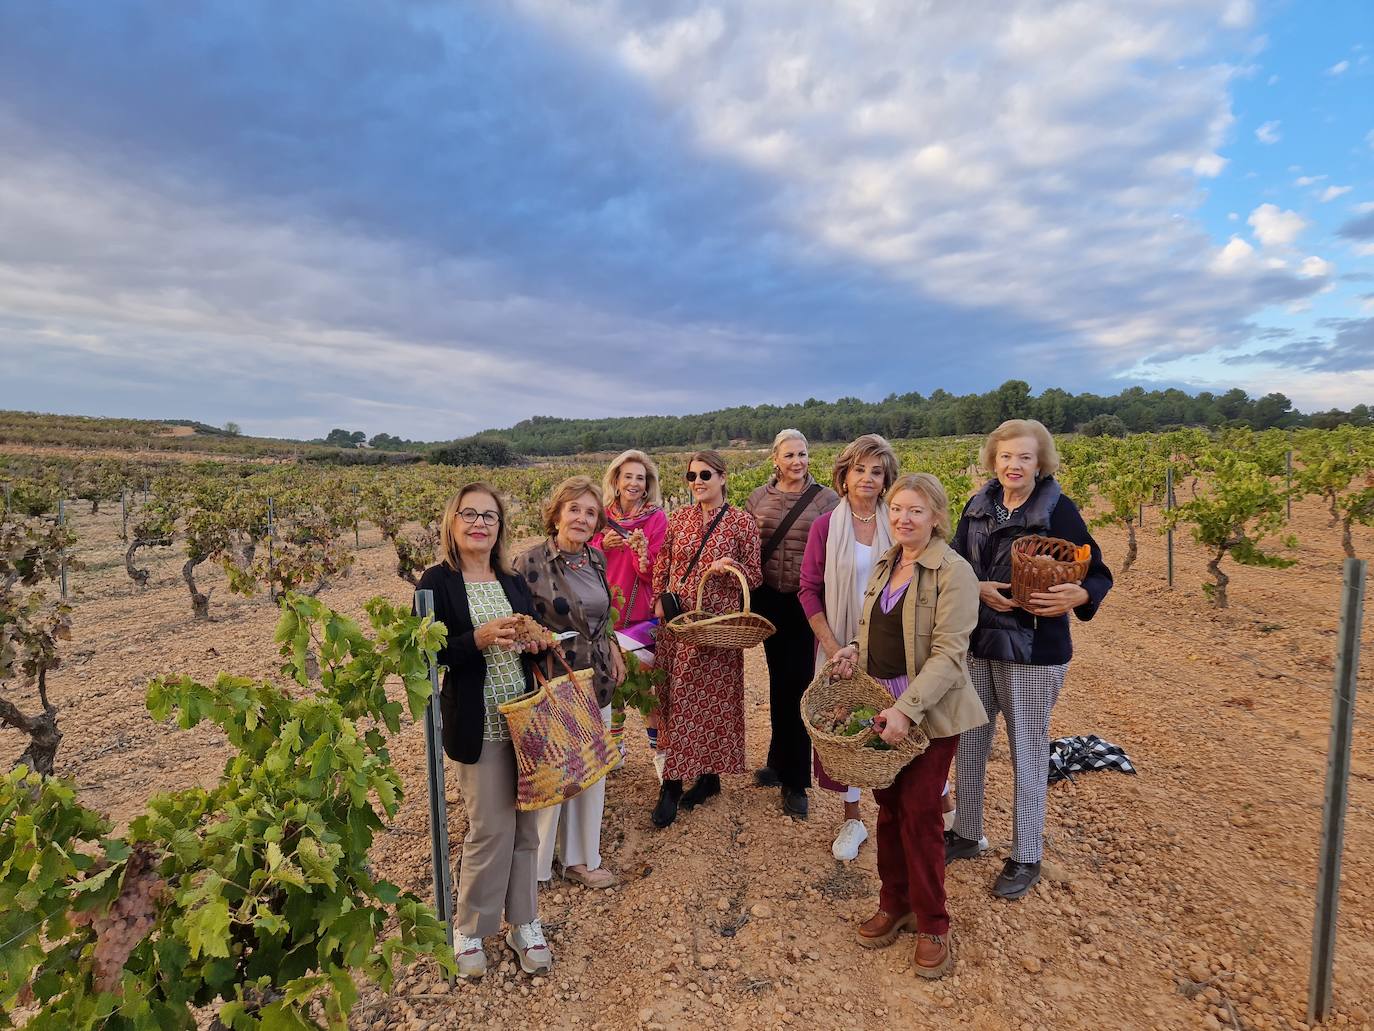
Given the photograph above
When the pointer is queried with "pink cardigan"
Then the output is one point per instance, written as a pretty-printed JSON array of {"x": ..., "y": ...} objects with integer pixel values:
[
  {"x": 622, "y": 565},
  {"x": 812, "y": 591}
]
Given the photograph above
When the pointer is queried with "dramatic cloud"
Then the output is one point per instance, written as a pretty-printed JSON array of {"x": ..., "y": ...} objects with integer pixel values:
[
  {"x": 427, "y": 219},
  {"x": 1350, "y": 349}
]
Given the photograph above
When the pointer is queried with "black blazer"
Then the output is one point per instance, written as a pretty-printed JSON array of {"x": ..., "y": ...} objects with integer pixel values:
[{"x": 460, "y": 700}]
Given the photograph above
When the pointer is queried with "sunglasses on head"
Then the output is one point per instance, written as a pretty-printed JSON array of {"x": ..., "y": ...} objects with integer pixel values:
[{"x": 705, "y": 476}]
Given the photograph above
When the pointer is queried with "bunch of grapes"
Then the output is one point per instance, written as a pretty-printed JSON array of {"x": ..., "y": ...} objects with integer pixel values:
[{"x": 127, "y": 922}]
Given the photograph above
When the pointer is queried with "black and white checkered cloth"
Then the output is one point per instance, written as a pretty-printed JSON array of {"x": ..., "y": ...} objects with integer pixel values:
[{"x": 1085, "y": 752}]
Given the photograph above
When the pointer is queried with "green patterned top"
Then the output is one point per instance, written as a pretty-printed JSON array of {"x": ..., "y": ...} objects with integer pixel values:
[{"x": 505, "y": 673}]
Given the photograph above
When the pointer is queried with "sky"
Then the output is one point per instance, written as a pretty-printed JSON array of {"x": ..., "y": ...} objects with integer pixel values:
[{"x": 428, "y": 218}]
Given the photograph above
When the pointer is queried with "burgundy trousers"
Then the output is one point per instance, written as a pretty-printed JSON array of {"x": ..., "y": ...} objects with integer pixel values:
[{"x": 911, "y": 839}]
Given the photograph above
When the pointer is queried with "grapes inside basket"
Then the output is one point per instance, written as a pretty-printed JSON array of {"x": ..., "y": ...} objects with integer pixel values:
[{"x": 850, "y": 722}]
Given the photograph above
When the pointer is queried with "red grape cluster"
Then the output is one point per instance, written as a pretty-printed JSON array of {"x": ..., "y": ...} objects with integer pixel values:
[{"x": 128, "y": 920}]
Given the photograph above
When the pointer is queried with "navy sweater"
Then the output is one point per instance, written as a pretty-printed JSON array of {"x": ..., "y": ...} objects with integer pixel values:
[{"x": 1019, "y": 636}]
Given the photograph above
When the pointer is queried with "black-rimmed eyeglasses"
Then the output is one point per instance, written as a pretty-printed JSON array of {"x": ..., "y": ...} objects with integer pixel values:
[{"x": 471, "y": 515}]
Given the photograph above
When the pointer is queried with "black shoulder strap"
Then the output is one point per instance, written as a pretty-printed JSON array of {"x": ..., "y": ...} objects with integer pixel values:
[
  {"x": 705, "y": 537},
  {"x": 617, "y": 527},
  {"x": 807, "y": 497}
]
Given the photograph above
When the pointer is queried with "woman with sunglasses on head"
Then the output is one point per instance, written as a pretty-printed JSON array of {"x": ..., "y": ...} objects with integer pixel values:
[
  {"x": 702, "y": 723},
  {"x": 631, "y": 540},
  {"x": 840, "y": 551},
  {"x": 567, "y": 578},
  {"x": 786, "y": 507},
  {"x": 479, "y": 599}
]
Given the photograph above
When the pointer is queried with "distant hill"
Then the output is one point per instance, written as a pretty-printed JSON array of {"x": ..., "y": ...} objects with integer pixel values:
[
  {"x": 914, "y": 415},
  {"x": 37, "y": 429}
]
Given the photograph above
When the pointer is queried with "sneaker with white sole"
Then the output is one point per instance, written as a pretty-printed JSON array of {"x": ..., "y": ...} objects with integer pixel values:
[
  {"x": 472, "y": 957},
  {"x": 847, "y": 842},
  {"x": 528, "y": 944}
]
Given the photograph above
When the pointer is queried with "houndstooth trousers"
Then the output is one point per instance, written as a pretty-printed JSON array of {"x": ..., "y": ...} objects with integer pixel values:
[{"x": 1025, "y": 696}]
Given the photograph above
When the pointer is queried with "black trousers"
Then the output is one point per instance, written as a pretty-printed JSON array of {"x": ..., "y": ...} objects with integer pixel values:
[{"x": 791, "y": 654}]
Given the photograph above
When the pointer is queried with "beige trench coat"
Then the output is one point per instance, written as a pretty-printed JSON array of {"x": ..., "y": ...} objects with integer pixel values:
[{"x": 936, "y": 629}]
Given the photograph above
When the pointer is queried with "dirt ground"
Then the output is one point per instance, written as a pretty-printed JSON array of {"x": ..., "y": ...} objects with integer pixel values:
[{"x": 1178, "y": 898}]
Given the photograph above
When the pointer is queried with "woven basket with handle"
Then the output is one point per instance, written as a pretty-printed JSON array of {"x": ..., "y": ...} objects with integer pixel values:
[
  {"x": 562, "y": 747},
  {"x": 1038, "y": 563},
  {"x": 849, "y": 760},
  {"x": 736, "y": 630}
]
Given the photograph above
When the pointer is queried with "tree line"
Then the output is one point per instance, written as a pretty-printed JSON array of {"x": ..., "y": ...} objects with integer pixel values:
[{"x": 940, "y": 414}]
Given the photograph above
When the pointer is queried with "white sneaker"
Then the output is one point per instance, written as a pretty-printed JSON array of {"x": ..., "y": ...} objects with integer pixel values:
[
  {"x": 847, "y": 842},
  {"x": 527, "y": 941},
  {"x": 472, "y": 957}
]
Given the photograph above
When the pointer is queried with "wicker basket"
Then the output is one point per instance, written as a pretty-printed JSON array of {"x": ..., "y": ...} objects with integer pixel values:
[
  {"x": 849, "y": 760},
  {"x": 737, "y": 630},
  {"x": 1038, "y": 563}
]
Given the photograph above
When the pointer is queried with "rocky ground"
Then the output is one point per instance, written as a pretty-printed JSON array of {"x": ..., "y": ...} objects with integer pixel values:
[{"x": 1178, "y": 898}]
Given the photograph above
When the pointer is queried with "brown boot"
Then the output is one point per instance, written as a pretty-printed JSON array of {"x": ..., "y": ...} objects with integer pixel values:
[
  {"x": 881, "y": 929},
  {"x": 934, "y": 955}
]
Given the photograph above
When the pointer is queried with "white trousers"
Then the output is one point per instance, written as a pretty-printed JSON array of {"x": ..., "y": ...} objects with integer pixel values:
[{"x": 573, "y": 826}]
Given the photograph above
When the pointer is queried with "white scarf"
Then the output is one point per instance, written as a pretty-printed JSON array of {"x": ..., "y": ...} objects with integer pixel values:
[{"x": 841, "y": 609}]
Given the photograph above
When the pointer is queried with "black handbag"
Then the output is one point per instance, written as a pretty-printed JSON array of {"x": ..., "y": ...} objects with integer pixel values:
[{"x": 671, "y": 600}]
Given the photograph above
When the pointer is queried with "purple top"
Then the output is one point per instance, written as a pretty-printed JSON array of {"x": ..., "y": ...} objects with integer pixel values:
[
  {"x": 890, "y": 597},
  {"x": 812, "y": 590}
]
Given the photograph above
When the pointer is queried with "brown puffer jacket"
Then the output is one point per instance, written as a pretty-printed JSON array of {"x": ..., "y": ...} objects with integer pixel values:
[{"x": 769, "y": 506}]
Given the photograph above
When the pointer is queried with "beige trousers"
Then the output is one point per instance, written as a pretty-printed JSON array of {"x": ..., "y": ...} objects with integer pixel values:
[{"x": 500, "y": 849}]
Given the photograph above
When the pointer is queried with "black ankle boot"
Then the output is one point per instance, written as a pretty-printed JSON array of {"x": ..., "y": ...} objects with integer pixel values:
[
  {"x": 706, "y": 785},
  {"x": 668, "y": 797}
]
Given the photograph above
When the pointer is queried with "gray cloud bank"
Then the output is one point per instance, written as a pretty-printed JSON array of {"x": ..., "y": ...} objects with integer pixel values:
[{"x": 426, "y": 219}]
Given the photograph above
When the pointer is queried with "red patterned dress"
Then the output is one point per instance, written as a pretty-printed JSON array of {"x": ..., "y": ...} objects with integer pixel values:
[{"x": 702, "y": 726}]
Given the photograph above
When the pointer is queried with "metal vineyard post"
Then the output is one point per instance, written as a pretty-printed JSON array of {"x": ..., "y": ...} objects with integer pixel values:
[
  {"x": 1337, "y": 792},
  {"x": 438, "y": 806}
]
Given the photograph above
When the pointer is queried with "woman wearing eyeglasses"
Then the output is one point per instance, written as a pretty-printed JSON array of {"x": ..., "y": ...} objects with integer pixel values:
[
  {"x": 478, "y": 599},
  {"x": 702, "y": 720}
]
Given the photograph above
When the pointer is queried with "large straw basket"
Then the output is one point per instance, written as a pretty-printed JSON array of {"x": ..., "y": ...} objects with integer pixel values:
[
  {"x": 848, "y": 759},
  {"x": 1038, "y": 563},
  {"x": 736, "y": 630},
  {"x": 562, "y": 747}
]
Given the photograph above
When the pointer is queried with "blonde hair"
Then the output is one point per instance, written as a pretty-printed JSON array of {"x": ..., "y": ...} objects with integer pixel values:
[
  {"x": 870, "y": 445},
  {"x": 448, "y": 540},
  {"x": 782, "y": 438},
  {"x": 933, "y": 491},
  {"x": 1047, "y": 456},
  {"x": 569, "y": 490},
  {"x": 653, "y": 490}
]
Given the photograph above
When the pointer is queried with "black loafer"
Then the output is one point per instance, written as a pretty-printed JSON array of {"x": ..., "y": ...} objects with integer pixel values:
[
  {"x": 668, "y": 797},
  {"x": 794, "y": 803},
  {"x": 957, "y": 847},
  {"x": 1016, "y": 879},
  {"x": 706, "y": 785},
  {"x": 766, "y": 777}
]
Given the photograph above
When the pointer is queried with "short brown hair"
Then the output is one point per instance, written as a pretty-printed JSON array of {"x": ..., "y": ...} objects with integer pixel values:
[
  {"x": 448, "y": 541},
  {"x": 933, "y": 491},
  {"x": 870, "y": 445},
  {"x": 653, "y": 490},
  {"x": 570, "y": 489},
  {"x": 1047, "y": 456}
]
